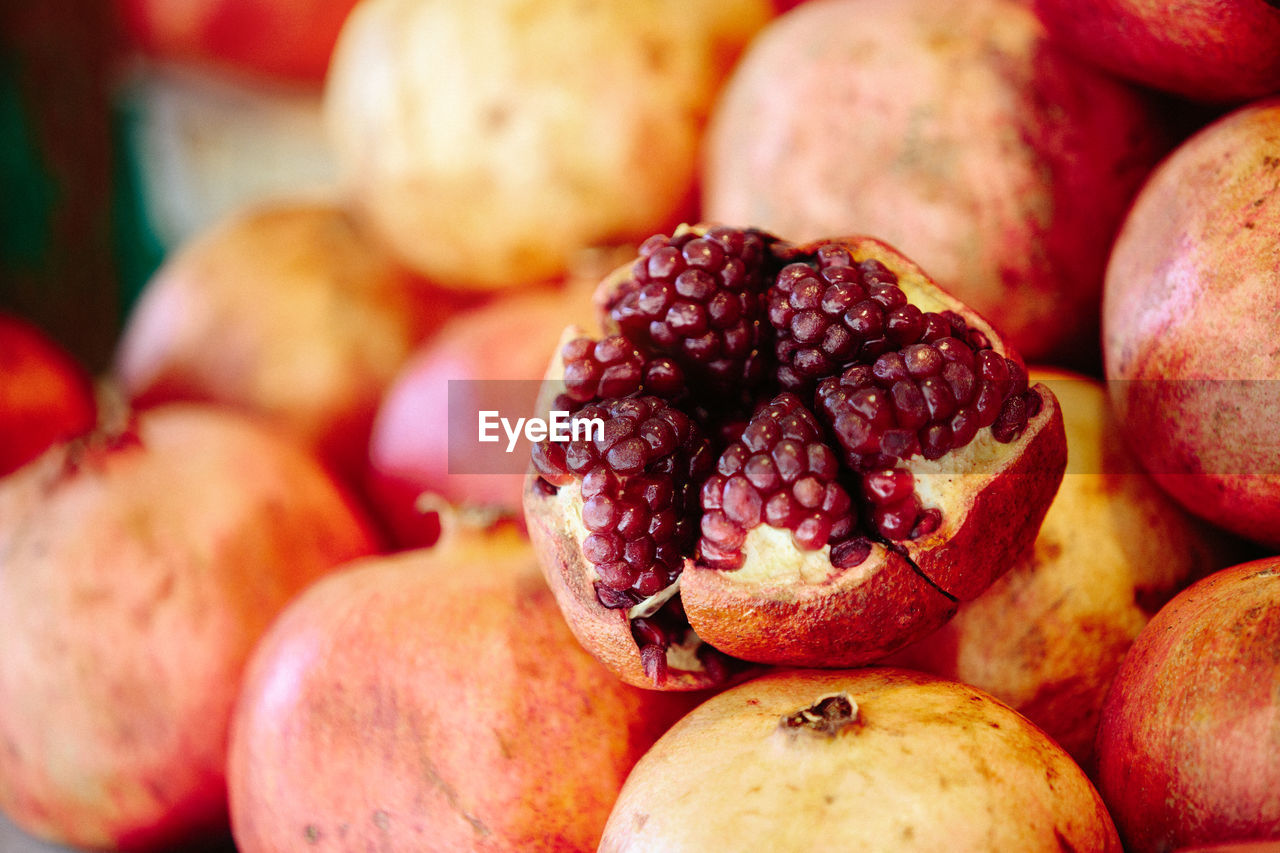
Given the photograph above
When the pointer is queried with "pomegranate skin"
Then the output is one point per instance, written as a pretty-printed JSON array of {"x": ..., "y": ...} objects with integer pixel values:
[
  {"x": 953, "y": 130},
  {"x": 45, "y": 395},
  {"x": 287, "y": 310},
  {"x": 1192, "y": 293},
  {"x": 433, "y": 699},
  {"x": 1190, "y": 731},
  {"x": 137, "y": 570},
  {"x": 921, "y": 764},
  {"x": 1208, "y": 50}
]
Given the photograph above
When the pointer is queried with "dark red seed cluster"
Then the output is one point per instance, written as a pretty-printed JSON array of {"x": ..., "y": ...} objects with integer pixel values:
[
  {"x": 701, "y": 300},
  {"x": 639, "y": 482},
  {"x": 837, "y": 313},
  {"x": 895, "y": 508},
  {"x": 614, "y": 367},
  {"x": 781, "y": 472}
]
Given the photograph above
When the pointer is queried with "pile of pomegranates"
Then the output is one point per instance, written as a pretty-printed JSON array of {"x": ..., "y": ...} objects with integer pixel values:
[{"x": 884, "y": 398}]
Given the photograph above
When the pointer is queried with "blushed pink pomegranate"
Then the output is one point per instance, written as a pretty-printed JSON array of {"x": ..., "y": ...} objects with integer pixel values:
[
  {"x": 138, "y": 567},
  {"x": 1189, "y": 323},
  {"x": 954, "y": 130},
  {"x": 803, "y": 454},
  {"x": 1190, "y": 730},
  {"x": 433, "y": 700},
  {"x": 45, "y": 396}
]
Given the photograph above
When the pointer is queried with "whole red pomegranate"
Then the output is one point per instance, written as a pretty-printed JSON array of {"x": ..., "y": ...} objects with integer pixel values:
[
  {"x": 286, "y": 310},
  {"x": 788, "y": 454},
  {"x": 45, "y": 395},
  {"x": 424, "y": 437},
  {"x": 1048, "y": 636},
  {"x": 1203, "y": 49},
  {"x": 870, "y": 759},
  {"x": 289, "y": 39},
  {"x": 138, "y": 567},
  {"x": 952, "y": 129},
  {"x": 1190, "y": 731},
  {"x": 1189, "y": 333},
  {"x": 433, "y": 699}
]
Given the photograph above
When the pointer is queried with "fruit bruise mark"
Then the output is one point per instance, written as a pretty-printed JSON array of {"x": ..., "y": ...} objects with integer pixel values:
[
  {"x": 829, "y": 716},
  {"x": 451, "y": 797}
]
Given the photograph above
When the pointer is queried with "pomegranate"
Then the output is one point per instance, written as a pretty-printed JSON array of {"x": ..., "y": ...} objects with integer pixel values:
[
  {"x": 1048, "y": 637},
  {"x": 138, "y": 567},
  {"x": 1190, "y": 731},
  {"x": 488, "y": 357},
  {"x": 803, "y": 455},
  {"x": 285, "y": 310},
  {"x": 433, "y": 699},
  {"x": 1192, "y": 293},
  {"x": 45, "y": 394},
  {"x": 1201, "y": 49},
  {"x": 954, "y": 130},
  {"x": 871, "y": 759},
  {"x": 489, "y": 142},
  {"x": 285, "y": 39}
]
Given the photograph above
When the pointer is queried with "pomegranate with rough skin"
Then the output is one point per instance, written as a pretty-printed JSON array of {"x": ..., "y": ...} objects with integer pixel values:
[
  {"x": 433, "y": 699},
  {"x": 1208, "y": 50},
  {"x": 287, "y": 310},
  {"x": 953, "y": 130},
  {"x": 489, "y": 142},
  {"x": 138, "y": 566},
  {"x": 1048, "y": 636},
  {"x": 1190, "y": 731},
  {"x": 802, "y": 455},
  {"x": 45, "y": 395},
  {"x": 870, "y": 759},
  {"x": 1189, "y": 323}
]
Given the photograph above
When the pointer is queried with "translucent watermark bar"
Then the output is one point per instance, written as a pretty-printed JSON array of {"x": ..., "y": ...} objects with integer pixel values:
[{"x": 493, "y": 425}]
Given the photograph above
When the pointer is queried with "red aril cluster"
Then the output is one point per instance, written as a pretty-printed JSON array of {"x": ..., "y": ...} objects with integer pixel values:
[
  {"x": 639, "y": 475},
  {"x": 781, "y": 473},
  {"x": 700, "y": 299}
]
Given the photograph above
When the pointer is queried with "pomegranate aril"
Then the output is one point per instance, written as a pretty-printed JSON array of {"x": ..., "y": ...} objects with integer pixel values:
[
  {"x": 888, "y": 486},
  {"x": 928, "y": 521},
  {"x": 616, "y": 574},
  {"x": 850, "y": 553},
  {"x": 614, "y": 599},
  {"x": 653, "y": 659},
  {"x": 895, "y": 521},
  {"x": 1011, "y": 421},
  {"x": 651, "y": 583}
]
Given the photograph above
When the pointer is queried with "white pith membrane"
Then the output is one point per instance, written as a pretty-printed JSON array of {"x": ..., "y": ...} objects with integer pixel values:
[{"x": 774, "y": 568}]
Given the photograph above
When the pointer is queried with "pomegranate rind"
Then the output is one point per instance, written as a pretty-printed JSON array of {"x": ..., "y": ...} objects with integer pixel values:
[{"x": 920, "y": 763}]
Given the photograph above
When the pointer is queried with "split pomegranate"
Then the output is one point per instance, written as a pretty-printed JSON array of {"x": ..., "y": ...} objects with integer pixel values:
[
  {"x": 803, "y": 454},
  {"x": 433, "y": 700},
  {"x": 1190, "y": 733},
  {"x": 45, "y": 395},
  {"x": 138, "y": 566},
  {"x": 870, "y": 759},
  {"x": 1189, "y": 323}
]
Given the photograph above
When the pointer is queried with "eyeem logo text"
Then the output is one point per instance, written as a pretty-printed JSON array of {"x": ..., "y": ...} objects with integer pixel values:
[{"x": 559, "y": 426}]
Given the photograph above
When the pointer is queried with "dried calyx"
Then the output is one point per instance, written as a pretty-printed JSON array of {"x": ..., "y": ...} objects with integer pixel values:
[{"x": 789, "y": 441}]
